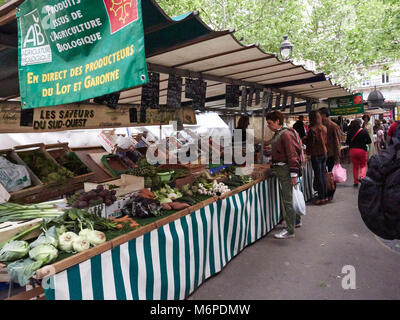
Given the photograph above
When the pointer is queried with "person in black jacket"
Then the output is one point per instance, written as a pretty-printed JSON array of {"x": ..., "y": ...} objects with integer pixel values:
[
  {"x": 299, "y": 127},
  {"x": 357, "y": 140}
]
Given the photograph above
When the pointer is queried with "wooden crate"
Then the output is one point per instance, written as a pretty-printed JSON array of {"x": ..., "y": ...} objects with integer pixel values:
[
  {"x": 10, "y": 229},
  {"x": 46, "y": 191},
  {"x": 114, "y": 165},
  {"x": 36, "y": 184},
  {"x": 60, "y": 149}
]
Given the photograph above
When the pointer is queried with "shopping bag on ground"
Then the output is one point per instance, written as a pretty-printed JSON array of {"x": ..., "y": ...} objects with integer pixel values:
[
  {"x": 339, "y": 173},
  {"x": 299, "y": 205}
]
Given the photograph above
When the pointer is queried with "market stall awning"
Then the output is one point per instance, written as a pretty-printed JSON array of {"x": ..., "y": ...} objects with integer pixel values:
[{"x": 186, "y": 46}]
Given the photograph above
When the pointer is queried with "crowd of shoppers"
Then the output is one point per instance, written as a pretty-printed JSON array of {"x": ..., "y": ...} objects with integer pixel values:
[{"x": 322, "y": 138}]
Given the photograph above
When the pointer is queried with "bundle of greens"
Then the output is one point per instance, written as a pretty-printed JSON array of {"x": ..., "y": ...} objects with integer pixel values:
[
  {"x": 16, "y": 212},
  {"x": 71, "y": 161},
  {"x": 75, "y": 220},
  {"x": 235, "y": 181},
  {"x": 144, "y": 169}
]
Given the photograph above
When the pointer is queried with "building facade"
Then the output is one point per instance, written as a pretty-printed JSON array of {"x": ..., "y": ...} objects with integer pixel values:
[{"x": 386, "y": 78}]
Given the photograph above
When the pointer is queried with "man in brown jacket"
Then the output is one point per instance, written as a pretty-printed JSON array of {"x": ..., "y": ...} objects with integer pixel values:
[
  {"x": 333, "y": 142},
  {"x": 286, "y": 165}
]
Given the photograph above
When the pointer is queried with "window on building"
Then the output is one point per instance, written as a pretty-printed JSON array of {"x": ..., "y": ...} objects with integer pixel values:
[
  {"x": 385, "y": 75},
  {"x": 366, "y": 82}
]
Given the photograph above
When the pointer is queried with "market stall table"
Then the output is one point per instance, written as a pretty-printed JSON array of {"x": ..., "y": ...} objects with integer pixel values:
[{"x": 171, "y": 257}]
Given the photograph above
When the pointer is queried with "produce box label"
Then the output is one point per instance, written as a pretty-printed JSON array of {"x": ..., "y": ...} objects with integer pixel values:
[
  {"x": 342, "y": 106},
  {"x": 74, "y": 50}
]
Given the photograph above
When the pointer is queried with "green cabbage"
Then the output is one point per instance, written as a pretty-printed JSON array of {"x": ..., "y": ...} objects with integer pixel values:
[
  {"x": 44, "y": 253},
  {"x": 14, "y": 250},
  {"x": 49, "y": 237}
]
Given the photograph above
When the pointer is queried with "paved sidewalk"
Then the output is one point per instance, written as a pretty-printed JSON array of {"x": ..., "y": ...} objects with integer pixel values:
[{"x": 310, "y": 266}]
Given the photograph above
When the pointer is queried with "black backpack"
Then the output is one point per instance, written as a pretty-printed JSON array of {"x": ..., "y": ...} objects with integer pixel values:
[{"x": 379, "y": 196}]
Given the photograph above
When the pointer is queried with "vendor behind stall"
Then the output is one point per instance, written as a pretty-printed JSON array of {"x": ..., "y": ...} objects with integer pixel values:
[{"x": 126, "y": 151}]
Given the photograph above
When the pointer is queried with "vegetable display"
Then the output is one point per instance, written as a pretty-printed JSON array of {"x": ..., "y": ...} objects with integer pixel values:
[
  {"x": 235, "y": 181},
  {"x": 46, "y": 170},
  {"x": 94, "y": 197},
  {"x": 80, "y": 244},
  {"x": 71, "y": 161},
  {"x": 145, "y": 208},
  {"x": 50, "y": 236},
  {"x": 167, "y": 194},
  {"x": 144, "y": 169},
  {"x": 45, "y": 253},
  {"x": 213, "y": 189},
  {"x": 66, "y": 241}
]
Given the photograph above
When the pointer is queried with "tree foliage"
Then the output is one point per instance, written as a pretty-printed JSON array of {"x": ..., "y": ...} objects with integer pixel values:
[{"x": 339, "y": 35}]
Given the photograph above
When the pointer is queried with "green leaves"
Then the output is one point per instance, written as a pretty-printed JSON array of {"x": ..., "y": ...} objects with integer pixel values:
[{"x": 339, "y": 35}]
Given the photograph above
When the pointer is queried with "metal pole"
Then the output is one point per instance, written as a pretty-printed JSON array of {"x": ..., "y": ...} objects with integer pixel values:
[{"x": 264, "y": 105}]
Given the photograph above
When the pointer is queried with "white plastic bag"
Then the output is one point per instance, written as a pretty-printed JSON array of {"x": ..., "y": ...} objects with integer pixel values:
[
  {"x": 299, "y": 205},
  {"x": 339, "y": 173},
  {"x": 13, "y": 177}
]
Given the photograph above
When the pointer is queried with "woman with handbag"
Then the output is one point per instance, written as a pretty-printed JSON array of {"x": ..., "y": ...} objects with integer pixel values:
[
  {"x": 358, "y": 140},
  {"x": 316, "y": 143}
]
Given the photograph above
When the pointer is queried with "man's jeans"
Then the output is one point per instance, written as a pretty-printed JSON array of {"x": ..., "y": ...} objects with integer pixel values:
[{"x": 319, "y": 167}]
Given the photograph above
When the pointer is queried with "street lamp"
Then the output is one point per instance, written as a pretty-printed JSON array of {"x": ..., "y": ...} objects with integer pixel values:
[
  {"x": 375, "y": 99},
  {"x": 286, "y": 49}
]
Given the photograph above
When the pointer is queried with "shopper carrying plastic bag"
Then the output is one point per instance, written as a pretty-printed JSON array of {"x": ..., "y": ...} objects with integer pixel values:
[
  {"x": 299, "y": 205},
  {"x": 339, "y": 173}
]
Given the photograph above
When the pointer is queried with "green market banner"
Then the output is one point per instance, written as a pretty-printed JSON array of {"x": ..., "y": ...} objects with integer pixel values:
[
  {"x": 74, "y": 50},
  {"x": 343, "y": 106}
]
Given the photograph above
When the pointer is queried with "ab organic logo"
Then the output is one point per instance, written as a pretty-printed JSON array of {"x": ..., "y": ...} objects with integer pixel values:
[{"x": 35, "y": 45}]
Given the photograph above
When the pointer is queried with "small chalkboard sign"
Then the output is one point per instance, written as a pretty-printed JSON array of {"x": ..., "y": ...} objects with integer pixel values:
[
  {"x": 292, "y": 105},
  {"x": 26, "y": 119},
  {"x": 284, "y": 102},
  {"x": 270, "y": 101},
  {"x": 278, "y": 101},
  {"x": 190, "y": 88},
  {"x": 258, "y": 97},
  {"x": 151, "y": 92},
  {"x": 308, "y": 105},
  {"x": 232, "y": 93},
  {"x": 250, "y": 97},
  {"x": 199, "y": 100},
  {"x": 133, "y": 115},
  {"x": 142, "y": 115},
  {"x": 174, "y": 94},
  {"x": 244, "y": 99}
]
